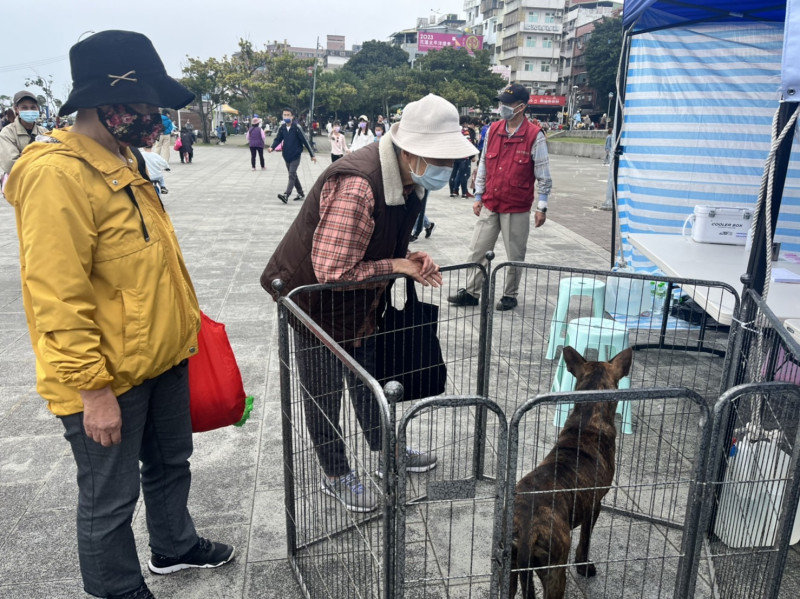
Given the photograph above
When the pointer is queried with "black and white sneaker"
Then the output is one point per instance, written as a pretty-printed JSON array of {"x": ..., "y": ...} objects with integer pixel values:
[
  {"x": 141, "y": 593},
  {"x": 204, "y": 554},
  {"x": 300, "y": 197},
  {"x": 283, "y": 197}
]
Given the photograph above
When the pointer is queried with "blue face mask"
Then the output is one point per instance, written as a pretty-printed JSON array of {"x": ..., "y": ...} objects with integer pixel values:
[
  {"x": 434, "y": 177},
  {"x": 29, "y": 116},
  {"x": 287, "y": 121}
]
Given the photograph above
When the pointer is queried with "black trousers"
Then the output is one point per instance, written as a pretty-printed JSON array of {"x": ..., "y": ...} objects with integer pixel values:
[
  {"x": 322, "y": 379},
  {"x": 253, "y": 152}
]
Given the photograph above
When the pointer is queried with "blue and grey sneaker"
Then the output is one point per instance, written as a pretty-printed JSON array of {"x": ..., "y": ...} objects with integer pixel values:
[
  {"x": 350, "y": 491},
  {"x": 416, "y": 461}
]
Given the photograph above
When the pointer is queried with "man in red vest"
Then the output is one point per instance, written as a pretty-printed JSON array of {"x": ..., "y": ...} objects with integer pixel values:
[{"x": 514, "y": 157}]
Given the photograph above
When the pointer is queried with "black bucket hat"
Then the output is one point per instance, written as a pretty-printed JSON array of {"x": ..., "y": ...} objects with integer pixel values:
[{"x": 120, "y": 67}]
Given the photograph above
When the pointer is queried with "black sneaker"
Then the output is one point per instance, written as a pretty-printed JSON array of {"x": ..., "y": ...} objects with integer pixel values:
[
  {"x": 204, "y": 554},
  {"x": 429, "y": 229},
  {"x": 300, "y": 197},
  {"x": 463, "y": 298},
  {"x": 164, "y": 191},
  {"x": 413, "y": 238},
  {"x": 283, "y": 197},
  {"x": 506, "y": 303},
  {"x": 141, "y": 593}
]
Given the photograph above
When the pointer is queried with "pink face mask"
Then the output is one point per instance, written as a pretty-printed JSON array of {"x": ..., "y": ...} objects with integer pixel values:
[
  {"x": 337, "y": 129},
  {"x": 362, "y": 125}
]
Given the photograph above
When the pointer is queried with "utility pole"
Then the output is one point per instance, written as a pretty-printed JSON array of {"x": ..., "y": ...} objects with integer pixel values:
[{"x": 313, "y": 91}]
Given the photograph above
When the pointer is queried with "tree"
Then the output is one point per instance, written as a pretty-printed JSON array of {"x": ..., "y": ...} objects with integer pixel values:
[
  {"x": 48, "y": 99},
  {"x": 375, "y": 55},
  {"x": 459, "y": 77},
  {"x": 602, "y": 56},
  {"x": 203, "y": 79}
]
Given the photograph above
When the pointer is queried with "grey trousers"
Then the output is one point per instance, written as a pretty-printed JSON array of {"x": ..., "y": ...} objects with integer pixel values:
[
  {"x": 294, "y": 180},
  {"x": 515, "y": 228},
  {"x": 156, "y": 430}
]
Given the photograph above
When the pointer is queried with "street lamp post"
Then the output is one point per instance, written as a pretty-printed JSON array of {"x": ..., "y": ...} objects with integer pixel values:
[
  {"x": 571, "y": 110},
  {"x": 608, "y": 112},
  {"x": 313, "y": 92}
]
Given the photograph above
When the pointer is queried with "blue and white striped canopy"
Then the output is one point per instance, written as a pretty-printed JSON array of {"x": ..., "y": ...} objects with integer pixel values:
[{"x": 699, "y": 102}]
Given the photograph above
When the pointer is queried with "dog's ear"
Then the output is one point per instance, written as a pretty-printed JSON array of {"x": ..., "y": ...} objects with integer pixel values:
[
  {"x": 573, "y": 360},
  {"x": 621, "y": 363}
]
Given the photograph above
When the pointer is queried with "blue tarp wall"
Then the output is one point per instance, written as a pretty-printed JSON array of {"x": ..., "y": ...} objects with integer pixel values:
[{"x": 701, "y": 92}]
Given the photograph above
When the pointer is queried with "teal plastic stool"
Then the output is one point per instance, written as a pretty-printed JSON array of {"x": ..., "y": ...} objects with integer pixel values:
[
  {"x": 567, "y": 289},
  {"x": 608, "y": 338}
]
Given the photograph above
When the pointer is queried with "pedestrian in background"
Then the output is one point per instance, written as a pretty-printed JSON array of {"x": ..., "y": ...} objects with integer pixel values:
[
  {"x": 255, "y": 139},
  {"x": 293, "y": 142},
  {"x": 362, "y": 136},
  {"x": 380, "y": 131},
  {"x": 113, "y": 316},
  {"x": 338, "y": 142},
  {"x": 609, "y": 146},
  {"x": 156, "y": 166},
  {"x": 164, "y": 143},
  {"x": 186, "y": 150},
  {"x": 18, "y": 134}
]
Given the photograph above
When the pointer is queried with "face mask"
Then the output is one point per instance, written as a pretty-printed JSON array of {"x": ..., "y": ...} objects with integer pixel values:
[
  {"x": 435, "y": 177},
  {"x": 130, "y": 127},
  {"x": 337, "y": 129},
  {"x": 29, "y": 116},
  {"x": 287, "y": 120},
  {"x": 362, "y": 125},
  {"x": 507, "y": 112},
  {"x": 378, "y": 133}
]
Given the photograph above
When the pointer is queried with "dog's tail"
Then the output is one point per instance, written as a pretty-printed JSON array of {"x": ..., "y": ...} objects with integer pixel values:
[{"x": 524, "y": 557}]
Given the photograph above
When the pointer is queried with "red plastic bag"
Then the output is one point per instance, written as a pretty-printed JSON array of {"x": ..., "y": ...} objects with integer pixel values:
[
  {"x": 178, "y": 145},
  {"x": 216, "y": 391}
]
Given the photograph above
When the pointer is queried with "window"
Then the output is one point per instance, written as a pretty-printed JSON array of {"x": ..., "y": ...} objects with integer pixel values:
[
  {"x": 528, "y": 66},
  {"x": 545, "y": 66},
  {"x": 549, "y": 17},
  {"x": 547, "y": 42},
  {"x": 530, "y": 41},
  {"x": 533, "y": 16}
]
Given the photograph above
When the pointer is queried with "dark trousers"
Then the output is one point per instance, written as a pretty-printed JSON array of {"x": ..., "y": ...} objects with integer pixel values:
[
  {"x": 253, "y": 152},
  {"x": 294, "y": 180},
  {"x": 422, "y": 220},
  {"x": 459, "y": 177},
  {"x": 156, "y": 430},
  {"x": 322, "y": 377},
  {"x": 186, "y": 155},
  {"x": 335, "y": 157}
]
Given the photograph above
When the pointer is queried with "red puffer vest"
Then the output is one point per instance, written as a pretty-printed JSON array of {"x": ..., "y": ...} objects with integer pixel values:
[{"x": 509, "y": 168}]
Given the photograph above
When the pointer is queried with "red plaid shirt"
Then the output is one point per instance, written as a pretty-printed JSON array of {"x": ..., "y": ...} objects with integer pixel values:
[{"x": 344, "y": 231}]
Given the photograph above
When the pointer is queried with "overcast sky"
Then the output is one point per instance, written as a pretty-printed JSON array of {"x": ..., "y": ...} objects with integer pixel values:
[{"x": 44, "y": 30}]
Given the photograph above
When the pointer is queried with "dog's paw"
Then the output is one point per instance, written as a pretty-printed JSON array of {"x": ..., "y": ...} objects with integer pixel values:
[{"x": 586, "y": 569}]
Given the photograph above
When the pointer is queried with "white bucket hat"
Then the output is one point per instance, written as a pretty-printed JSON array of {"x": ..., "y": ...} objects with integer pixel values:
[{"x": 430, "y": 128}]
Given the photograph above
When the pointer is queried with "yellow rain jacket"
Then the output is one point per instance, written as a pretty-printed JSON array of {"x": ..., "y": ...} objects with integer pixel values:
[{"x": 107, "y": 296}]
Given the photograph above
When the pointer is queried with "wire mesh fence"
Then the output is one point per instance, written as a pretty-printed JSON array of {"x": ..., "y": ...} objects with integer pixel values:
[
  {"x": 752, "y": 501},
  {"x": 441, "y": 530}
]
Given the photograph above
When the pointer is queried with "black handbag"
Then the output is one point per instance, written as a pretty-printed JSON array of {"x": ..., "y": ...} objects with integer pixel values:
[{"x": 407, "y": 348}]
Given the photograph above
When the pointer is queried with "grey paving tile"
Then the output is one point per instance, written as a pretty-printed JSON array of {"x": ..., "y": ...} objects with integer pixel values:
[
  {"x": 29, "y": 459},
  {"x": 270, "y": 580},
  {"x": 60, "y": 589},
  {"x": 268, "y": 527}
]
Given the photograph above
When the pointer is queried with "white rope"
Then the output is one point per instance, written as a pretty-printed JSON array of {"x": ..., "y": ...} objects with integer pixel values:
[{"x": 764, "y": 203}]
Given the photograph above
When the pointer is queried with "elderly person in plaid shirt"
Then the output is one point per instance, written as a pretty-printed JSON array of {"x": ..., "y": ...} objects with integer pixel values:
[{"x": 356, "y": 224}]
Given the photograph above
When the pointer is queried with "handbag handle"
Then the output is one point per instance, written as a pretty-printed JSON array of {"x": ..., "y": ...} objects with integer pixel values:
[{"x": 411, "y": 293}]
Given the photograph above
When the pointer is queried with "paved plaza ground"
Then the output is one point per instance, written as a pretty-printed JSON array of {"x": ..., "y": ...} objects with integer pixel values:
[{"x": 229, "y": 221}]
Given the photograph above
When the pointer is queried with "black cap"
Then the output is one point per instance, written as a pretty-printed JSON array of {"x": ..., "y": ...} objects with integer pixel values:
[
  {"x": 514, "y": 93},
  {"x": 120, "y": 67}
]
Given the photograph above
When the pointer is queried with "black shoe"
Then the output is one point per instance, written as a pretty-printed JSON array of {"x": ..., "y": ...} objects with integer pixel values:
[
  {"x": 413, "y": 238},
  {"x": 164, "y": 191},
  {"x": 453, "y": 195},
  {"x": 462, "y": 298},
  {"x": 429, "y": 230},
  {"x": 167, "y": 169},
  {"x": 506, "y": 303},
  {"x": 300, "y": 197},
  {"x": 283, "y": 197},
  {"x": 204, "y": 554},
  {"x": 141, "y": 593}
]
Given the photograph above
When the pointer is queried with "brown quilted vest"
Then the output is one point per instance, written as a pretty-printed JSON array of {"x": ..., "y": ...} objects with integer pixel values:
[{"x": 346, "y": 314}]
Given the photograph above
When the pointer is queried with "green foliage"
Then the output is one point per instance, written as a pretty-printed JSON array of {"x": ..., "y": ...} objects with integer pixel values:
[
  {"x": 203, "y": 77},
  {"x": 461, "y": 78},
  {"x": 46, "y": 85},
  {"x": 375, "y": 55},
  {"x": 602, "y": 56}
]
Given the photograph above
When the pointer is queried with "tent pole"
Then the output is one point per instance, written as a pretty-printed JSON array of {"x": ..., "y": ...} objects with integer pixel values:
[
  {"x": 755, "y": 276},
  {"x": 622, "y": 79}
]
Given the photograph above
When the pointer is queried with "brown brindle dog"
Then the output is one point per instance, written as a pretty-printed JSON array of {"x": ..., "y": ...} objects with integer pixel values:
[{"x": 566, "y": 489}]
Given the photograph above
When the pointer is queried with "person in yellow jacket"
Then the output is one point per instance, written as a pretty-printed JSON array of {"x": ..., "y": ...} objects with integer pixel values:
[{"x": 112, "y": 314}]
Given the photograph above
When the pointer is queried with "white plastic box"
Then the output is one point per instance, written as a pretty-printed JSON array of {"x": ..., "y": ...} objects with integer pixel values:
[
  {"x": 714, "y": 224},
  {"x": 752, "y": 494}
]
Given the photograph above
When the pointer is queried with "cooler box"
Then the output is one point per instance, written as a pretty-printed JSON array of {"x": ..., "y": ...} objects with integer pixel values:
[
  {"x": 750, "y": 501},
  {"x": 713, "y": 224}
]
